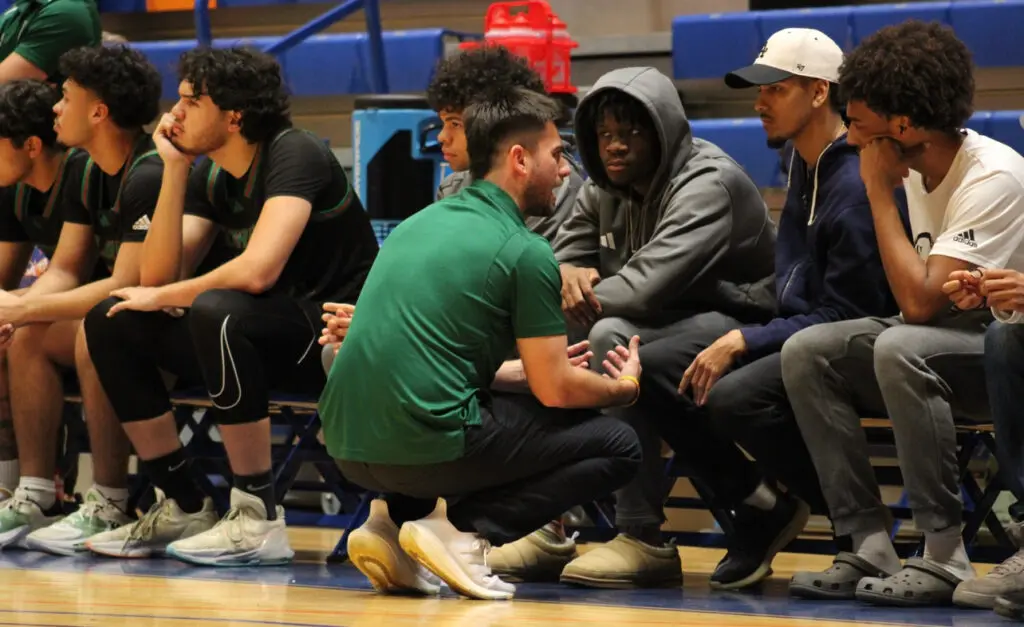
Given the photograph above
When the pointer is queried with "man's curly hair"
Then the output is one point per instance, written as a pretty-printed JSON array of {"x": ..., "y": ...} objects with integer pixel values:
[
  {"x": 473, "y": 74},
  {"x": 119, "y": 76},
  {"x": 26, "y": 110},
  {"x": 241, "y": 79},
  {"x": 920, "y": 70}
]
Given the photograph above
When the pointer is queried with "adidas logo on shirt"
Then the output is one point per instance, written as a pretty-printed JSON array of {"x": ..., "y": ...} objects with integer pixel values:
[
  {"x": 142, "y": 224},
  {"x": 966, "y": 238}
]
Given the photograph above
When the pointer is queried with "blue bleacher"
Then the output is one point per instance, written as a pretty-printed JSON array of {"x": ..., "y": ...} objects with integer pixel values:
[
  {"x": 327, "y": 65},
  {"x": 699, "y": 50},
  {"x": 744, "y": 140}
]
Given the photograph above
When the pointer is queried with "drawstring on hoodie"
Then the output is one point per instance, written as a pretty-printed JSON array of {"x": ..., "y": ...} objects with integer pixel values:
[{"x": 814, "y": 189}]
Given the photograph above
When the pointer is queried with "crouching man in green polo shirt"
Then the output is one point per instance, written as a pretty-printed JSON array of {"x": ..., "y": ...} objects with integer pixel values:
[{"x": 411, "y": 408}]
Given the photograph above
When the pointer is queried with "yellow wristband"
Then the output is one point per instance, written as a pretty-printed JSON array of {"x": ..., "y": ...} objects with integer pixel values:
[{"x": 636, "y": 382}]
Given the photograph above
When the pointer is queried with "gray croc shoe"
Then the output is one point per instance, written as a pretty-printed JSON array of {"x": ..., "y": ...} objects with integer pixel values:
[
  {"x": 839, "y": 582},
  {"x": 919, "y": 584}
]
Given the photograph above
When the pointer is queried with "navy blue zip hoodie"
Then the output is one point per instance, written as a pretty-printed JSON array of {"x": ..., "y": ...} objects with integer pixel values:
[{"x": 827, "y": 264}]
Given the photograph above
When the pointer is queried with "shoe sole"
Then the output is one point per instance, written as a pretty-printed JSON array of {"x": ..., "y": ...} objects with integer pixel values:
[
  {"x": 1008, "y": 610},
  {"x": 63, "y": 550},
  {"x": 966, "y": 598},
  {"x": 622, "y": 584},
  {"x": 789, "y": 533},
  {"x": 432, "y": 554},
  {"x": 231, "y": 562},
  {"x": 374, "y": 557},
  {"x": 812, "y": 593}
]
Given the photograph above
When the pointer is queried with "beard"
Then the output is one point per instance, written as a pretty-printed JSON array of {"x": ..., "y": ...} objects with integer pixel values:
[
  {"x": 539, "y": 201},
  {"x": 776, "y": 143},
  {"x": 204, "y": 146}
]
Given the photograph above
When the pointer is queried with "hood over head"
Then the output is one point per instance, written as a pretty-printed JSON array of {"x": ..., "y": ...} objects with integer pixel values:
[{"x": 659, "y": 96}]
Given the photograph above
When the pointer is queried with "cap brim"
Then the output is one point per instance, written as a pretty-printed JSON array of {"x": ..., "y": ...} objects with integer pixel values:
[{"x": 754, "y": 75}]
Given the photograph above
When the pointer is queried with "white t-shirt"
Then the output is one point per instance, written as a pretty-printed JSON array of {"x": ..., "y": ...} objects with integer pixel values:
[{"x": 976, "y": 214}]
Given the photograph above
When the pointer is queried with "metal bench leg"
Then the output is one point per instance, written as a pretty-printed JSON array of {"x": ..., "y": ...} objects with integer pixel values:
[{"x": 340, "y": 553}]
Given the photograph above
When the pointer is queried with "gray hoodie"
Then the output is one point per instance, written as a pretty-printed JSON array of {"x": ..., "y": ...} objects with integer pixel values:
[
  {"x": 565, "y": 199},
  {"x": 702, "y": 238}
]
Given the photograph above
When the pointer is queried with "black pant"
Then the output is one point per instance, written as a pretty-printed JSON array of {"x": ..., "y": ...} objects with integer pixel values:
[
  {"x": 241, "y": 346},
  {"x": 746, "y": 406},
  {"x": 524, "y": 465}
]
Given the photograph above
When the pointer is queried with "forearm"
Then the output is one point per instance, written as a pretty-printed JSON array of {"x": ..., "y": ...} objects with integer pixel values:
[
  {"x": 511, "y": 378},
  {"x": 233, "y": 275},
  {"x": 582, "y": 388},
  {"x": 69, "y": 305},
  {"x": 905, "y": 271},
  {"x": 162, "y": 249},
  {"x": 53, "y": 281}
]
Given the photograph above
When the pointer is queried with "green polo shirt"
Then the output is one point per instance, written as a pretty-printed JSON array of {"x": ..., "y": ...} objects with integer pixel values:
[
  {"x": 452, "y": 289},
  {"x": 42, "y": 30}
]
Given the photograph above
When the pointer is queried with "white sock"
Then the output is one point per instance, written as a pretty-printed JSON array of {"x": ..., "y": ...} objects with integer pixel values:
[
  {"x": 946, "y": 549},
  {"x": 42, "y": 492},
  {"x": 876, "y": 548},
  {"x": 116, "y": 496},
  {"x": 762, "y": 498},
  {"x": 9, "y": 475}
]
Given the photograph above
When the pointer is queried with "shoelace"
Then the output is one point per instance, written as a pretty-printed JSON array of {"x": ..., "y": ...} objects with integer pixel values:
[
  {"x": 145, "y": 529},
  {"x": 1012, "y": 566},
  {"x": 477, "y": 560}
]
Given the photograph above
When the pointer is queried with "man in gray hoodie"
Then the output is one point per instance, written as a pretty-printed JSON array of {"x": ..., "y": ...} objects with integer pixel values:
[{"x": 667, "y": 227}]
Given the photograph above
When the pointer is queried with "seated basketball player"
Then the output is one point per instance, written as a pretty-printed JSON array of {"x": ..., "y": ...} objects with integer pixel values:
[
  {"x": 408, "y": 408},
  {"x": 32, "y": 167},
  {"x": 277, "y": 196},
  {"x": 107, "y": 201},
  {"x": 469, "y": 74},
  {"x": 910, "y": 90},
  {"x": 667, "y": 227}
]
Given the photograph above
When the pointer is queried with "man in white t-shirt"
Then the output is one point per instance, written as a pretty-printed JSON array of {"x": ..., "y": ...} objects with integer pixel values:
[{"x": 910, "y": 90}]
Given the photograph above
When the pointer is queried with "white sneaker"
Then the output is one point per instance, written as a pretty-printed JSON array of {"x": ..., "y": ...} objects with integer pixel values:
[
  {"x": 68, "y": 536},
  {"x": 244, "y": 537},
  {"x": 20, "y": 516},
  {"x": 375, "y": 550},
  {"x": 459, "y": 559},
  {"x": 163, "y": 523}
]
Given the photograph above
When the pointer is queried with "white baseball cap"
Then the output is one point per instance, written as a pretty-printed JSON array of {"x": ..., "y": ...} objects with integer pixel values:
[{"x": 791, "y": 52}]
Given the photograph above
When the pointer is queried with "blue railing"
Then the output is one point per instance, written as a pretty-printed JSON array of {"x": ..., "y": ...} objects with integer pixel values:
[{"x": 374, "y": 32}]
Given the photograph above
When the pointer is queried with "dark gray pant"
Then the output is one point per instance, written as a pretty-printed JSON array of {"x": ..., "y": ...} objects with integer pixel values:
[
  {"x": 747, "y": 406},
  {"x": 524, "y": 466},
  {"x": 921, "y": 377},
  {"x": 635, "y": 504}
]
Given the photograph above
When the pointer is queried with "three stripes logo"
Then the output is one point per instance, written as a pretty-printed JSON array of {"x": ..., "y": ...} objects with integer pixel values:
[{"x": 966, "y": 238}]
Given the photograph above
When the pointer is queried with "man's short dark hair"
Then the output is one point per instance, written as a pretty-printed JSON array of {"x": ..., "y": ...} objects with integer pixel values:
[
  {"x": 920, "y": 70},
  {"x": 515, "y": 114},
  {"x": 241, "y": 79},
  {"x": 26, "y": 110},
  {"x": 119, "y": 76},
  {"x": 471, "y": 74},
  {"x": 623, "y": 108}
]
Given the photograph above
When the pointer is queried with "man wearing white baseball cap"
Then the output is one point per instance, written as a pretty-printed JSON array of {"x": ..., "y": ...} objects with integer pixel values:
[{"x": 827, "y": 268}]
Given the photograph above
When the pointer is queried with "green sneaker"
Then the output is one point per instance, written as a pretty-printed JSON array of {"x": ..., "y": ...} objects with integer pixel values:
[
  {"x": 68, "y": 536},
  {"x": 20, "y": 516}
]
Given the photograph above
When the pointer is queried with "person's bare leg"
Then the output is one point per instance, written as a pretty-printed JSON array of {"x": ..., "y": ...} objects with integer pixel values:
[
  {"x": 37, "y": 356},
  {"x": 9, "y": 471},
  {"x": 248, "y": 446}
]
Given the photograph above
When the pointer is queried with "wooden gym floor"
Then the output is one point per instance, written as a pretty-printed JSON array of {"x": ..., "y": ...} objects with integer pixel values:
[{"x": 42, "y": 590}]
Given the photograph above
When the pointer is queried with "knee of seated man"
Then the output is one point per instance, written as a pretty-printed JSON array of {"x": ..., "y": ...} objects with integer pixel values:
[
  {"x": 803, "y": 348},
  {"x": 1003, "y": 341},
  {"x": 98, "y": 325},
  {"x": 899, "y": 347},
  {"x": 607, "y": 333},
  {"x": 210, "y": 308}
]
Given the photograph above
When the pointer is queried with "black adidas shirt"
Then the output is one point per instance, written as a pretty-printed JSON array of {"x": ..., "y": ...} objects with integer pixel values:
[
  {"x": 119, "y": 208},
  {"x": 336, "y": 249},
  {"x": 31, "y": 216}
]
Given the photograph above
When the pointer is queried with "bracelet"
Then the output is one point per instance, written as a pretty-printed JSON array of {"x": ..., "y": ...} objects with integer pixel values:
[{"x": 636, "y": 382}]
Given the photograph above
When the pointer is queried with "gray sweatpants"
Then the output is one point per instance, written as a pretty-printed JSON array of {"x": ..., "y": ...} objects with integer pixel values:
[{"x": 921, "y": 377}]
